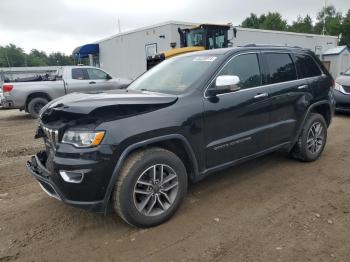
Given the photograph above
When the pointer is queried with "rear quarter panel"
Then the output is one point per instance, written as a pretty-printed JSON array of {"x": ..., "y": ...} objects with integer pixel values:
[{"x": 21, "y": 91}]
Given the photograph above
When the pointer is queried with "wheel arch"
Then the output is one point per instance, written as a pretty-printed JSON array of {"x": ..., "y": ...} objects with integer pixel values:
[
  {"x": 322, "y": 107},
  {"x": 175, "y": 143},
  {"x": 34, "y": 95}
]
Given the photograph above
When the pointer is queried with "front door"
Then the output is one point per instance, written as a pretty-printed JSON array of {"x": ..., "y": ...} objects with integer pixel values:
[
  {"x": 236, "y": 123},
  {"x": 99, "y": 80}
]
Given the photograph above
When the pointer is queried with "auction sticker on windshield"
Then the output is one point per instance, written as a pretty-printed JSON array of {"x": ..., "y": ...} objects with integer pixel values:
[{"x": 204, "y": 58}]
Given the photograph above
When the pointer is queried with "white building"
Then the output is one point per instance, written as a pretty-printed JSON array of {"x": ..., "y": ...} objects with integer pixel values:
[
  {"x": 125, "y": 54},
  {"x": 337, "y": 60}
]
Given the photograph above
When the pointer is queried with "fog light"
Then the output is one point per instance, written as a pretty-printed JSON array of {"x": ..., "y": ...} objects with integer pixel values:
[{"x": 74, "y": 176}]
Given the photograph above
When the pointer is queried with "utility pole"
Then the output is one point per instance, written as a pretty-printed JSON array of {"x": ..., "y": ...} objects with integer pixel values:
[
  {"x": 324, "y": 30},
  {"x": 7, "y": 59},
  {"x": 119, "y": 30}
]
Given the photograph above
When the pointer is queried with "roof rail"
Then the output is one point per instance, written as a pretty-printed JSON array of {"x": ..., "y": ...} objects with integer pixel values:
[{"x": 261, "y": 45}]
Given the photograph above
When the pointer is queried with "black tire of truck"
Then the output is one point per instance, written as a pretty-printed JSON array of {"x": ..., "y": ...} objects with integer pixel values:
[
  {"x": 156, "y": 176},
  {"x": 35, "y": 105}
]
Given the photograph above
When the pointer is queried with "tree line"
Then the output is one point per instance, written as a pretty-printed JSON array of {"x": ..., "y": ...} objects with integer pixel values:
[
  {"x": 13, "y": 56},
  {"x": 328, "y": 21}
]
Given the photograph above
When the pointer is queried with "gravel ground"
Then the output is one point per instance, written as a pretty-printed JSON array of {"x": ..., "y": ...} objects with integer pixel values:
[{"x": 269, "y": 209}]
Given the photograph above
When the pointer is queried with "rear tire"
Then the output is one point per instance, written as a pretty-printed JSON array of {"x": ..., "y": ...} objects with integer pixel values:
[
  {"x": 35, "y": 105},
  {"x": 150, "y": 187},
  {"x": 312, "y": 140}
]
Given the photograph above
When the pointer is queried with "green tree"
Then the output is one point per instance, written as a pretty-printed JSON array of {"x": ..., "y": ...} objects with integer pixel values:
[
  {"x": 274, "y": 21},
  {"x": 345, "y": 30},
  {"x": 37, "y": 58},
  {"x": 302, "y": 25},
  {"x": 251, "y": 22},
  {"x": 271, "y": 21},
  {"x": 329, "y": 19},
  {"x": 11, "y": 55},
  {"x": 61, "y": 59}
]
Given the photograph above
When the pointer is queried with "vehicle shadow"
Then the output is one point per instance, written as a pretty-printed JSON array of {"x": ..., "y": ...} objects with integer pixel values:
[
  {"x": 242, "y": 172},
  {"x": 209, "y": 187},
  {"x": 342, "y": 114}
]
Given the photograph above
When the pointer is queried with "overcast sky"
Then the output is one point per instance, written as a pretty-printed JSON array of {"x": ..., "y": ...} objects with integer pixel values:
[{"x": 62, "y": 25}]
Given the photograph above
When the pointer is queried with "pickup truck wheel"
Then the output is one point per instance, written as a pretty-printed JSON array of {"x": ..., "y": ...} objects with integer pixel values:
[
  {"x": 35, "y": 105},
  {"x": 312, "y": 140},
  {"x": 150, "y": 187}
]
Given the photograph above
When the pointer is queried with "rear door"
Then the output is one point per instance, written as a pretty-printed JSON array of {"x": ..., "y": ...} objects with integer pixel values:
[
  {"x": 289, "y": 94},
  {"x": 236, "y": 123}
]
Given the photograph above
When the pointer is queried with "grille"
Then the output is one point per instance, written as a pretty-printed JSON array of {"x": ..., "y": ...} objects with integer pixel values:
[
  {"x": 346, "y": 89},
  {"x": 51, "y": 135}
]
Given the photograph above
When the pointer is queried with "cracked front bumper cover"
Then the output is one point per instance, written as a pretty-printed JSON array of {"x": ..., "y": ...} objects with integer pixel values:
[{"x": 36, "y": 167}]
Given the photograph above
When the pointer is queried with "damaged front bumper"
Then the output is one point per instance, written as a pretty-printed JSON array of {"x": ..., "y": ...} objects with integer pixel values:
[{"x": 37, "y": 168}]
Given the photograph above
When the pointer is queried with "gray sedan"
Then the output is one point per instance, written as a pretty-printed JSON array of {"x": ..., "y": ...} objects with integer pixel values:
[{"x": 342, "y": 92}]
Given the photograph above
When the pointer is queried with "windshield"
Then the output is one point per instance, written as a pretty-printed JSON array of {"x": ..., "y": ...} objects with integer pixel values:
[
  {"x": 195, "y": 37},
  {"x": 347, "y": 72},
  {"x": 173, "y": 76}
]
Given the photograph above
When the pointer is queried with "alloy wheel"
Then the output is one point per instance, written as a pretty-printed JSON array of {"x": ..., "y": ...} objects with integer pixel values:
[
  {"x": 155, "y": 190},
  {"x": 315, "y": 138}
]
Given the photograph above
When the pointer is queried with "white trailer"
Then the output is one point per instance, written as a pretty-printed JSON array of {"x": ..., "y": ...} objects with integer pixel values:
[{"x": 124, "y": 54}]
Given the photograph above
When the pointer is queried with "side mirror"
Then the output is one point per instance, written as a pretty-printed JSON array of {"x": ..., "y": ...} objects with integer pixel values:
[
  {"x": 108, "y": 77},
  {"x": 225, "y": 83},
  {"x": 341, "y": 73}
]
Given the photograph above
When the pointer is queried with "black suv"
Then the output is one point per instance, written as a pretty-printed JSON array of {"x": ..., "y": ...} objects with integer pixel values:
[{"x": 136, "y": 149}]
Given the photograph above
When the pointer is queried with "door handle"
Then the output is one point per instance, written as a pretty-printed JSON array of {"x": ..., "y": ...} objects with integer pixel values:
[
  {"x": 92, "y": 82},
  {"x": 302, "y": 87},
  {"x": 261, "y": 95}
]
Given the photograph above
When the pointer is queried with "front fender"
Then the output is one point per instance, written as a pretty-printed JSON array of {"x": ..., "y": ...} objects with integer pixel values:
[{"x": 141, "y": 144}]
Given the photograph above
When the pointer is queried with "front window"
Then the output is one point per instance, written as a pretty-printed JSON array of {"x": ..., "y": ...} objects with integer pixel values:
[
  {"x": 216, "y": 39},
  {"x": 174, "y": 76},
  {"x": 247, "y": 68},
  {"x": 195, "y": 37},
  {"x": 96, "y": 74}
]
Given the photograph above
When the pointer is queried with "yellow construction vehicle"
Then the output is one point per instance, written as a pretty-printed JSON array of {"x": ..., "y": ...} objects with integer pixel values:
[{"x": 201, "y": 37}]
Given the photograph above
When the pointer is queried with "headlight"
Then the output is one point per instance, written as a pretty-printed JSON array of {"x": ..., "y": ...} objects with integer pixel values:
[
  {"x": 339, "y": 87},
  {"x": 83, "y": 138}
]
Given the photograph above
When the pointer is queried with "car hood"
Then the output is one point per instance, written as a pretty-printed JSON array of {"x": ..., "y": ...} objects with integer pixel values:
[
  {"x": 117, "y": 103},
  {"x": 343, "y": 80}
]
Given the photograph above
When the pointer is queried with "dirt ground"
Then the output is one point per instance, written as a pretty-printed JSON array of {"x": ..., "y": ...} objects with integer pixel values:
[{"x": 269, "y": 209}]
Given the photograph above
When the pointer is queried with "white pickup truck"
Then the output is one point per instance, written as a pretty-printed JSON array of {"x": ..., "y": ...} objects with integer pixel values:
[{"x": 32, "y": 96}]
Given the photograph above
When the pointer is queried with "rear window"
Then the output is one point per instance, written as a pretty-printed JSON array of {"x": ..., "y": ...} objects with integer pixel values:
[
  {"x": 280, "y": 67},
  {"x": 307, "y": 66}
]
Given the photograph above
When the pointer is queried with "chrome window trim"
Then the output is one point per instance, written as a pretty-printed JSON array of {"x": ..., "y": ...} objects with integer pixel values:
[{"x": 267, "y": 85}]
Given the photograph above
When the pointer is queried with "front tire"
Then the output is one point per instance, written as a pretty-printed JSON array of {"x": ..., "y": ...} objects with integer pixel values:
[
  {"x": 150, "y": 187},
  {"x": 312, "y": 140}
]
